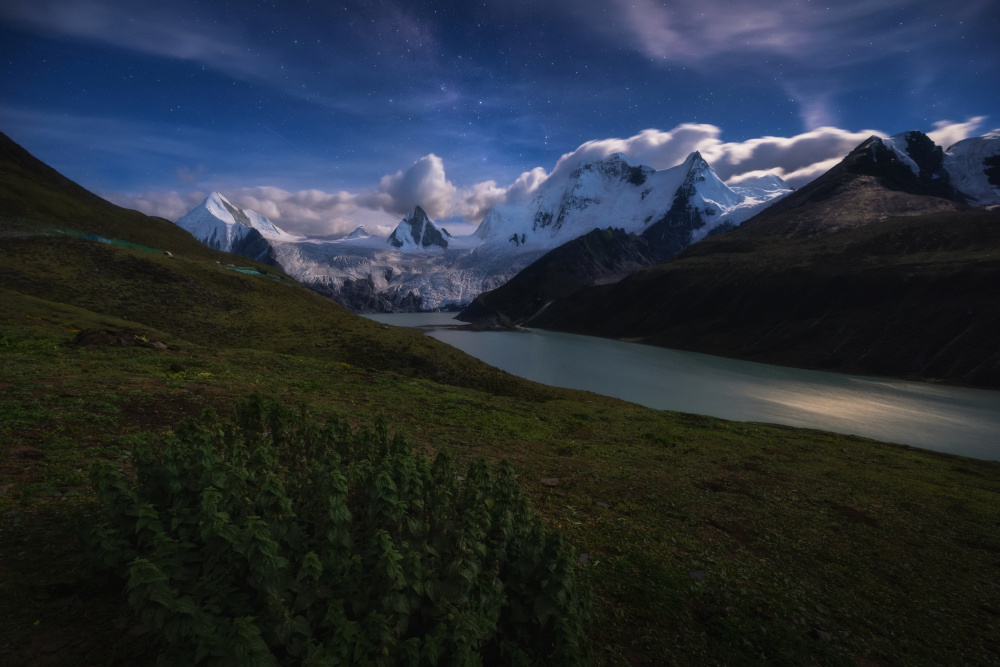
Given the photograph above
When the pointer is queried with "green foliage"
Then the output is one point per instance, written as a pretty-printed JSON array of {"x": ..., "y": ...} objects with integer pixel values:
[{"x": 274, "y": 540}]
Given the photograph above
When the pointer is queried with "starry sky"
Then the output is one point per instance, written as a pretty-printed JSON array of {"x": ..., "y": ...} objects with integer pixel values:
[{"x": 326, "y": 115}]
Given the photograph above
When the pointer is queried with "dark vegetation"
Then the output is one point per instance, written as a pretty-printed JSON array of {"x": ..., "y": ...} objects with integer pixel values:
[
  {"x": 273, "y": 539},
  {"x": 701, "y": 541}
]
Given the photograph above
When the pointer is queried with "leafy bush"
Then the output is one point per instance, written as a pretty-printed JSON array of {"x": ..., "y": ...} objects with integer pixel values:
[{"x": 274, "y": 540}]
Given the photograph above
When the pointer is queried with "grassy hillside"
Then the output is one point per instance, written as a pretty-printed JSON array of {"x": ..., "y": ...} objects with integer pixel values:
[
  {"x": 911, "y": 297},
  {"x": 702, "y": 541}
]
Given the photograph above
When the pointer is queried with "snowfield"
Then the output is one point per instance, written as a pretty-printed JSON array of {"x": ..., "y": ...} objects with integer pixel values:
[{"x": 423, "y": 267}]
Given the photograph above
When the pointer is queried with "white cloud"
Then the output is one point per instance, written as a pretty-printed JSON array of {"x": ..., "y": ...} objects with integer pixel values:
[
  {"x": 158, "y": 29},
  {"x": 946, "y": 133},
  {"x": 423, "y": 184},
  {"x": 655, "y": 148},
  {"x": 797, "y": 159},
  {"x": 784, "y": 155}
]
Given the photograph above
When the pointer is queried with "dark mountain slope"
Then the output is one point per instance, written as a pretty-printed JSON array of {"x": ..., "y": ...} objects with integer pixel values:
[
  {"x": 869, "y": 185},
  {"x": 35, "y": 197},
  {"x": 877, "y": 266},
  {"x": 912, "y": 297},
  {"x": 189, "y": 295},
  {"x": 603, "y": 255}
]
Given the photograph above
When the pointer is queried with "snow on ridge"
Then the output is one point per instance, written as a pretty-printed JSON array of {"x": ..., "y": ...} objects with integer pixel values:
[
  {"x": 421, "y": 261},
  {"x": 965, "y": 163},
  {"x": 897, "y": 143},
  {"x": 219, "y": 224}
]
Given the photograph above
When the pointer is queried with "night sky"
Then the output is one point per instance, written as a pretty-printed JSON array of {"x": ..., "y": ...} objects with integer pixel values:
[{"x": 325, "y": 115}]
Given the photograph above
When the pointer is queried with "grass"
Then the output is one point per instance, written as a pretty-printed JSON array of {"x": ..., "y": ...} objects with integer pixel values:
[{"x": 703, "y": 541}]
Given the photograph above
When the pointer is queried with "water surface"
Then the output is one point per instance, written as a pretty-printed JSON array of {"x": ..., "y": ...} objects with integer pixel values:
[{"x": 949, "y": 419}]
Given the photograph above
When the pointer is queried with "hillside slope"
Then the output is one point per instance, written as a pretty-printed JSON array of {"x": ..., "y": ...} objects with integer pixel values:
[
  {"x": 911, "y": 297},
  {"x": 48, "y": 225}
]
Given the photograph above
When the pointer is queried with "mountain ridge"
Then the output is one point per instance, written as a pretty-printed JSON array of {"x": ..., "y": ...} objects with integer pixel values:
[
  {"x": 866, "y": 270},
  {"x": 423, "y": 267}
]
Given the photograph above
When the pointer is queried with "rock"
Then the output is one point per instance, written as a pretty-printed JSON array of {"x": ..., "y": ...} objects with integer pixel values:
[
  {"x": 697, "y": 575},
  {"x": 157, "y": 345},
  {"x": 584, "y": 559},
  {"x": 600, "y": 504},
  {"x": 176, "y": 368},
  {"x": 55, "y": 644},
  {"x": 821, "y": 635},
  {"x": 168, "y": 253},
  {"x": 550, "y": 481}
]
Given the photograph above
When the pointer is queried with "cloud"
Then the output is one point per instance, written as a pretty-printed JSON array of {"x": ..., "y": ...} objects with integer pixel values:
[
  {"x": 655, "y": 148},
  {"x": 687, "y": 30},
  {"x": 784, "y": 155},
  {"x": 423, "y": 184},
  {"x": 828, "y": 37},
  {"x": 797, "y": 159},
  {"x": 161, "y": 30},
  {"x": 946, "y": 133},
  {"x": 170, "y": 205}
]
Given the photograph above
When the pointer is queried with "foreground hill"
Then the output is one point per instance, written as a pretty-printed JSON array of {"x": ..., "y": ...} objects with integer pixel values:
[
  {"x": 877, "y": 267},
  {"x": 704, "y": 542}
]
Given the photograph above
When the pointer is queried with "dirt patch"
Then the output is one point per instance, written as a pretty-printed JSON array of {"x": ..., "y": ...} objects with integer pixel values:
[
  {"x": 153, "y": 413},
  {"x": 91, "y": 339},
  {"x": 854, "y": 515},
  {"x": 723, "y": 486}
]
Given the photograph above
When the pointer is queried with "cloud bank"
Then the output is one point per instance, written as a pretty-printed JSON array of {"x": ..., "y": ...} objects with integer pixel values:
[{"x": 315, "y": 213}]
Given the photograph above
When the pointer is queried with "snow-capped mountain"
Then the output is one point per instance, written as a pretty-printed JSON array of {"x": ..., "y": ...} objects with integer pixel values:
[
  {"x": 613, "y": 192},
  {"x": 974, "y": 167},
  {"x": 359, "y": 233},
  {"x": 421, "y": 266},
  {"x": 219, "y": 224},
  {"x": 417, "y": 232}
]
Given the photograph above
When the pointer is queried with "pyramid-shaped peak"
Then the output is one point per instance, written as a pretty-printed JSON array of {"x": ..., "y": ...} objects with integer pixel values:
[
  {"x": 359, "y": 233},
  {"x": 417, "y": 231},
  {"x": 696, "y": 161},
  {"x": 617, "y": 157},
  {"x": 416, "y": 213}
]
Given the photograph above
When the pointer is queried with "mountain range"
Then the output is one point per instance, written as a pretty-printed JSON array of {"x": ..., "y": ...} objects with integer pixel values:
[
  {"x": 887, "y": 264},
  {"x": 422, "y": 267}
]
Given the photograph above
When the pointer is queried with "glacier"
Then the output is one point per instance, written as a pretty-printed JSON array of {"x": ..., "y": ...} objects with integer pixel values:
[{"x": 423, "y": 267}]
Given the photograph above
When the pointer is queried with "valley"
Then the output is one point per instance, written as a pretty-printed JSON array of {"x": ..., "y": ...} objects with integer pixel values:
[{"x": 700, "y": 540}]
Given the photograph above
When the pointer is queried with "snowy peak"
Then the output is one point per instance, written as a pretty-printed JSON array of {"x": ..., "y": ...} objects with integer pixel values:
[
  {"x": 689, "y": 198},
  {"x": 696, "y": 164},
  {"x": 764, "y": 183},
  {"x": 220, "y": 207},
  {"x": 909, "y": 162},
  {"x": 219, "y": 224},
  {"x": 359, "y": 233},
  {"x": 417, "y": 232},
  {"x": 224, "y": 210},
  {"x": 614, "y": 167},
  {"x": 974, "y": 167}
]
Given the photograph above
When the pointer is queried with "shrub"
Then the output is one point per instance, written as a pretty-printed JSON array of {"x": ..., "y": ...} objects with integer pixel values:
[{"x": 274, "y": 540}]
